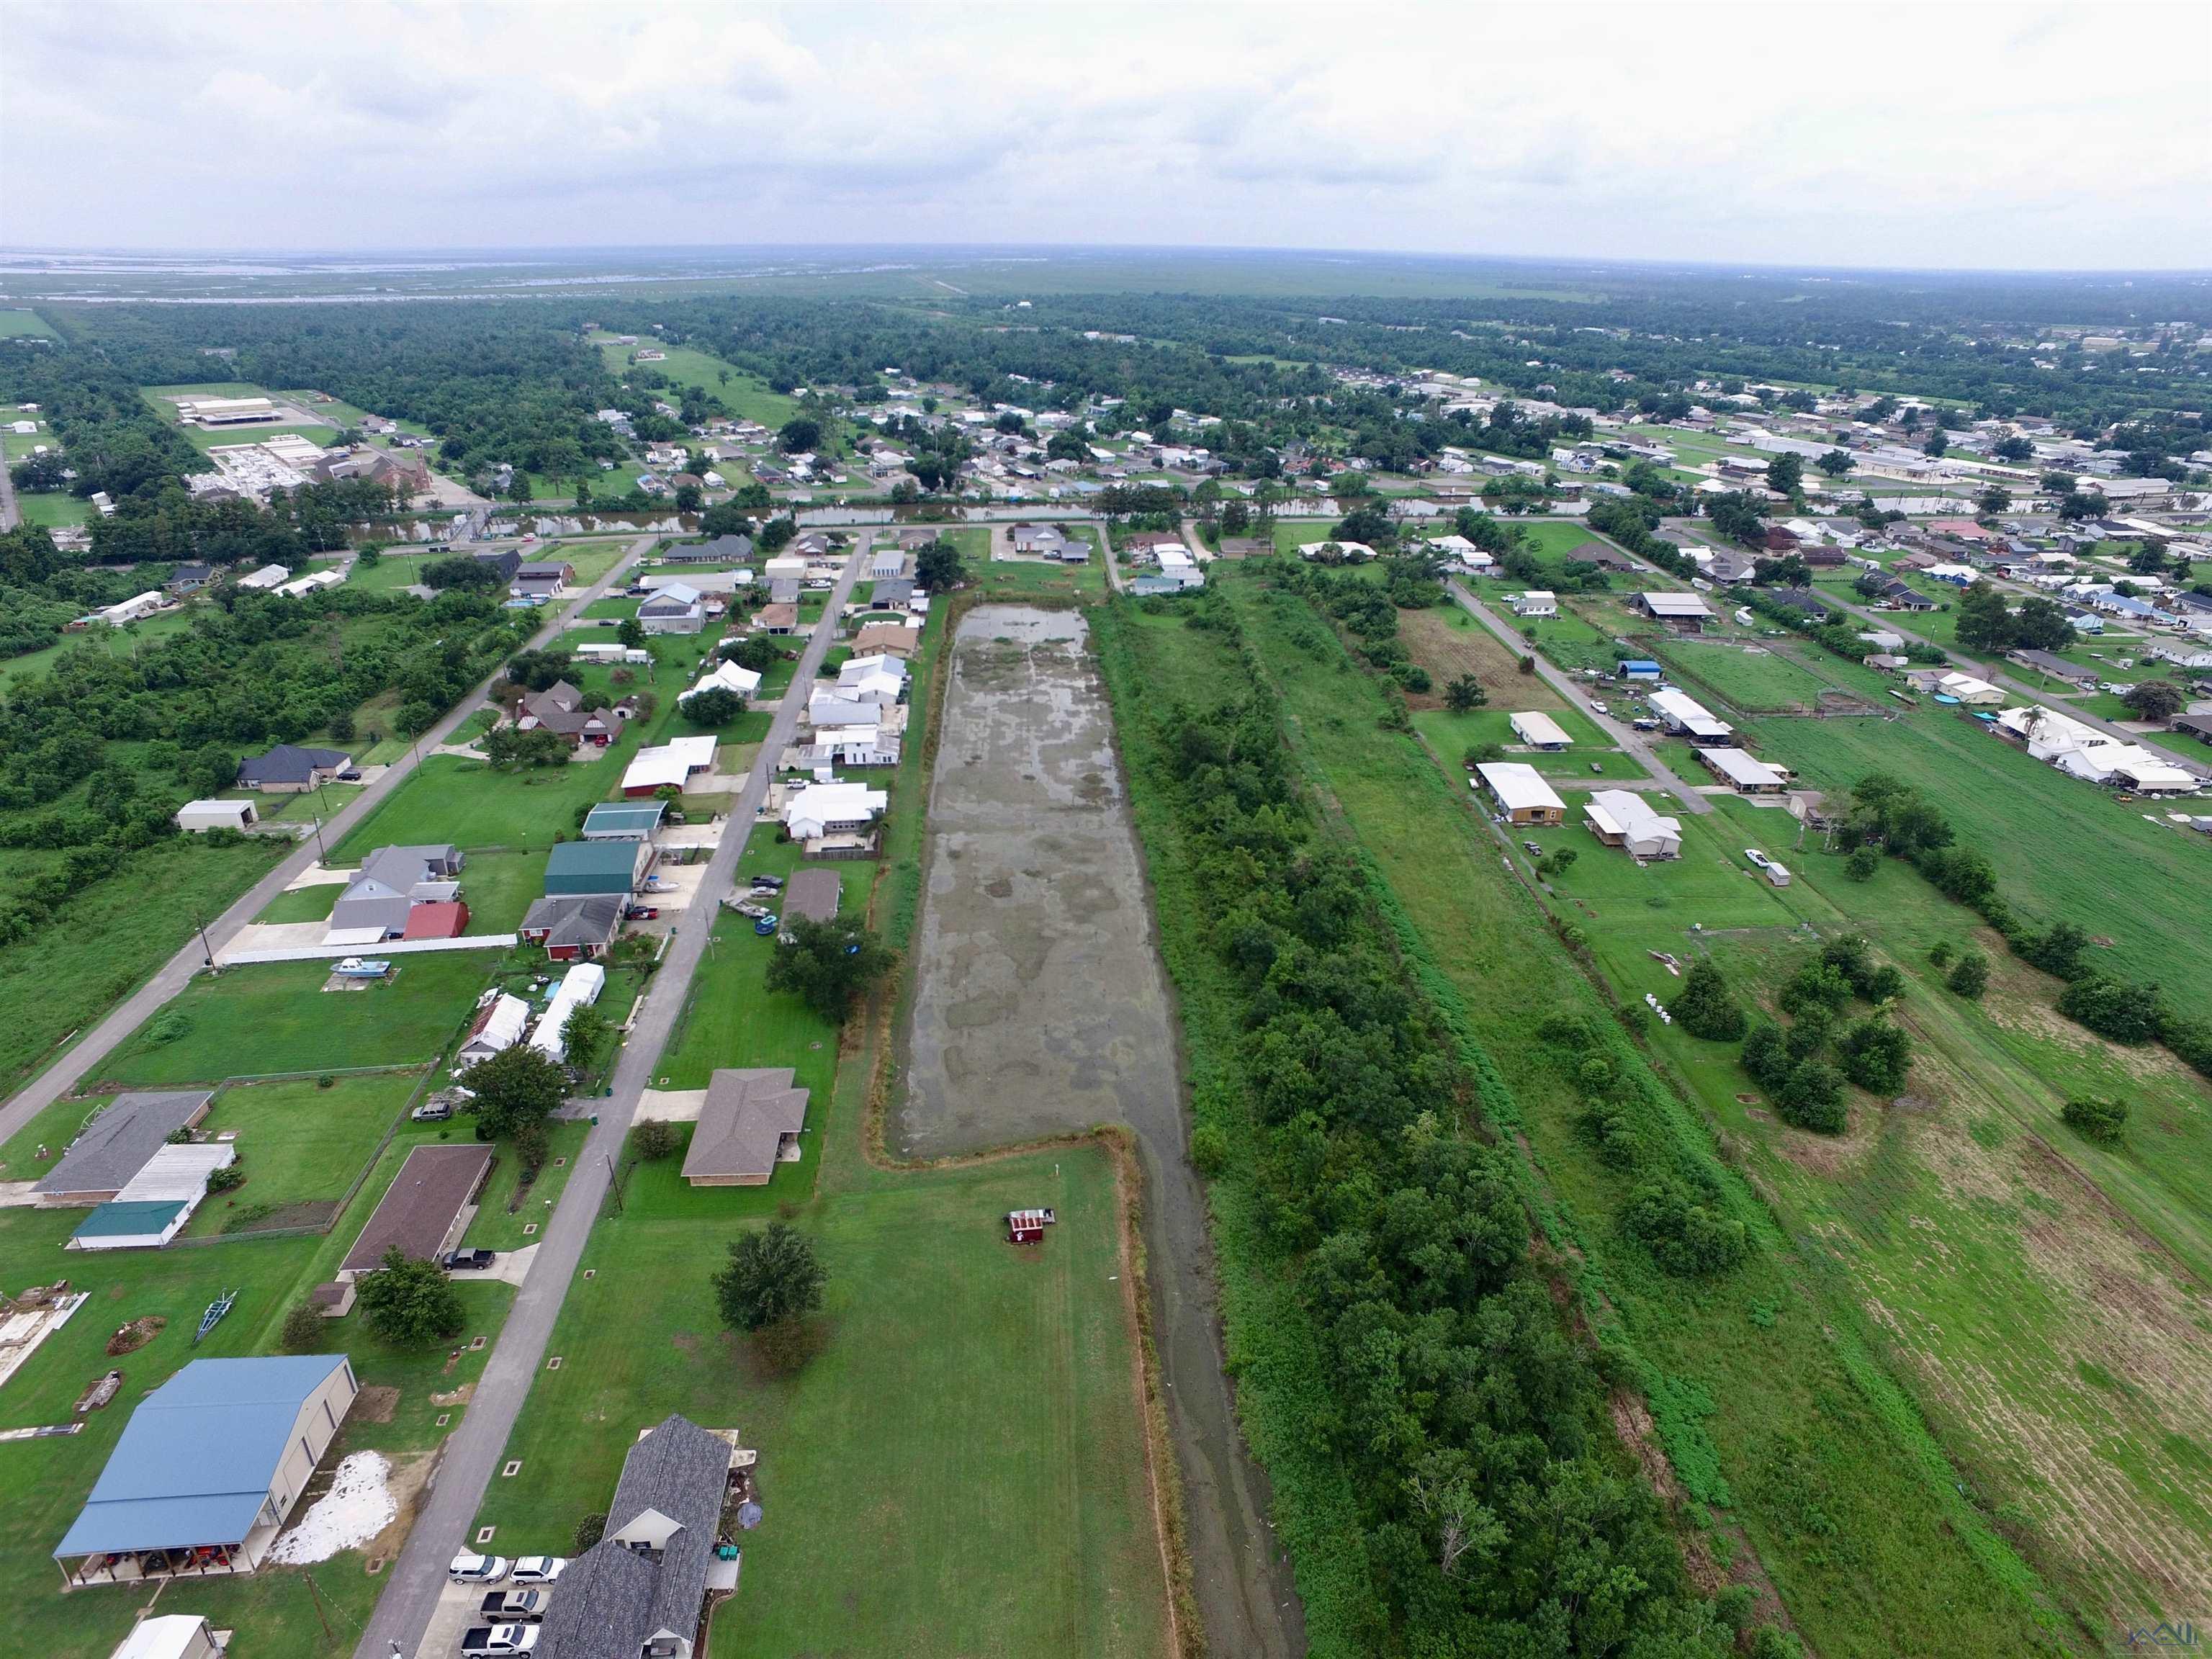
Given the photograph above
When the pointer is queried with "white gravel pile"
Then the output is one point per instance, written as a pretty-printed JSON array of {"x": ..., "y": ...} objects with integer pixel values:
[{"x": 358, "y": 1506}]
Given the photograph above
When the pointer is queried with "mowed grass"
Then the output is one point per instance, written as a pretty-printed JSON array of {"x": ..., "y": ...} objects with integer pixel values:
[
  {"x": 16, "y": 323},
  {"x": 958, "y": 1470},
  {"x": 1824, "y": 1466},
  {"x": 275, "y": 1017},
  {"x": 2063, "y": 849},
  {"x": 747, "y": 396},
  {"x": 297, "y": 1143},
  {"x": 1750, "y": 680},
  {"x": 63, "y": 978}
]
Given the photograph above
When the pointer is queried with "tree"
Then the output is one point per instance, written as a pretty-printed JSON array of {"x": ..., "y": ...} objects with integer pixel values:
[
  {"x": 631, "y": 632},
  {"x": 688, "y": 496},
  {"x": 585, "y": 1036},
  {"x": 1993, "y": 500},
  {"x": 2155, "y": 700},
  {"x": 516, "y": 1086},
  {"x": 409, "y": 1303},
  {"x": 1984, "y": 621},
  {"x": 828, "y": 963},
  {"x": 1811, "y": 1097},
  {"x": 1785, "y": 475},
  {"x": 799, "y": 434},
  {"x": 1740, "y": 516},
  {"x": 772, "y": 1275},
  {"x": 1704, "y": 1008},
  {"x": 1837, "y": 464},
  {"x": 2119, "y": 1009},
  {"x": 1863, "y": 863},
  {"x": 2015, "y": 449},
  {"x": 2148, "y": 559},
  {"x": 758, "y": 652},
  {"x": 938, "y": 566},
  {"x": 1876, "y": 1055},
  {"x": 652, "y": 1139},
  {"x": 1465, "y": 694},
  {"x": 2097, "y": 1117},
  {"x": 1936, "y": 444},
  {"x": 1970, "y": 976},
  {"x": 776, "y": 532},
  {"x": 509, "y": 747},
  {"x": 303, "y": 1328},
  {"x": 716, "y": 706}
]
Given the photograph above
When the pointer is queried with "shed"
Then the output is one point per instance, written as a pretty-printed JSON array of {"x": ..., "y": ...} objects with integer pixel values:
[
  {"x": 1681, "y": 610},
  {"x": 1540, "y": 731},
  {"x": 1639, "y": 668},
  {"x": 813, "y": 893},
  {"x": 157, "y": 1201},
  {"x": 197, "y": 815},
  {"x": 1741, "y": 772},
  {"x": 424, "y": 1209},
  {"x": 208, "y": 1469},
  {"x": 170, "y": 1636},
  {"x": 580, "y": 986},
  {"x": 597, "y": 866}
]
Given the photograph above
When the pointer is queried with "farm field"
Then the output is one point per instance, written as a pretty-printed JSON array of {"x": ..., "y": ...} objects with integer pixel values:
[
  {"x": 275, "y": 1017},
  {"x": 747, "y": 396},
  {"x": 1778, "y": 1350},
  {"x": 2063, "y": 849},
  {"x": 16, "y": 323}
]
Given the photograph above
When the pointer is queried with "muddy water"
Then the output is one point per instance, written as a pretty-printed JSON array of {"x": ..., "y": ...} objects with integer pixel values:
[{"x": 1041, "y": 1005}]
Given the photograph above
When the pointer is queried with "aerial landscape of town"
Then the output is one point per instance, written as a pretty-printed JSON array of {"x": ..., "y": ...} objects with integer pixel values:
[{"x": 860, "y": 913}]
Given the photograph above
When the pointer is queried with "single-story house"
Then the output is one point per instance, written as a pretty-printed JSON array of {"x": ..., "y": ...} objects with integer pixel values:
[
  {"x": 813, "y": 893},
  {"x": 575, "y": 867},
  {"x": 895, "y": 595},
  {"x": 828, "y": 710},
  {"x": 1537, "y": 601},
  {"x": 668, "y": 766},
  {"x": 155, "y": 1204},
  {"x": 1741, "y": 772},
  {"x": 199, "y": 815},
  {"x": 208, "y": 1468},
  {"x": 1964, "y": 688},
  {"x": 1684, "y": 611},
  {"x": 500, "y": 1021},
  {"x": 641, "y": 1592},
  {"x": 822, "y": 808},
  {"x": 117, "y": 1143},
  {"x": 674, "y": 609},
  {"x": 505, "y": 561},
  {"x": 2046, "y": 662},
  {"x": 886, "y": 640},
  {"x": 1815, "y": 607},
  {"x": 574, "y": 926},
  {"x": 1623, "y": 818},
  {"x": 425, "y": 1210},
  {"x": 559, "y": 708},
  {"x": 1685, "y": 716},
  {"x": 776, "y": 619},
  {"x": 879, "y": 679},
  {"x": 723, "y": 550},
  {"x": 792, "y": 565},
  {"x": 1540, "y": 731},
  {"x": 289, "y": 769},
  {"x": 390, "y": 882},
  {"x": 724, "y": 676},
  {"x": 2198, "y": 726},
  {"x": 750, "y": 1120},
  {"x": 1599, "y": 554},
  {"x": 1522, "y": 793},
  {"x": 624, "y": 820},
  {"x": 190, "y": 578},
  {"x": 578, "y": 988}
]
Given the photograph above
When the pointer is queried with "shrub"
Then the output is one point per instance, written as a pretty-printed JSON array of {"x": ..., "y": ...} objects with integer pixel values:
[
  {"x": 1970, "y": 974},
  {"x": 1863, "y": 863},
  {"x": 1811, "y": 1097},
  {"x": 1876, "y": 1055},
  {"x": 1209, "y": 1150},
  {"x": 2096, "y": 1117},
  {"x": 589, "y": 1530},
  {"x": 1940, "y": 953},
  {"x": 303, "y": 1329},
  {"x": 652, "y": 1139},
  {"x": 1685, "y": 1233},
  {"x": 2118, "y": 1009},
  {"x": 1706, "y": 1008},
  {"x": 230, "y": 1175}
]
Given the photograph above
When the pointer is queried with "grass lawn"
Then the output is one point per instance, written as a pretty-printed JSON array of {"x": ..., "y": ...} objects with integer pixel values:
[
  {"x": 52, "y": 509},
  {"x": 500, "y": 888},
  {"x": 613, "y": 606},
  {"x": 63, "y": 979},
  {"x": 1009, "y": 579},
  {"x": 299, "y": 1145},
  {"x": 303, "y": 903},
  {"x": 275, "y": 1017},
  {"x": 1800, "y": 1411},
  {"x": 19, "y": 322},
  {"x": 1750, "y": 681},
  {"x": 502, "y": 1213},
  {"x": 745, "y": 396}
]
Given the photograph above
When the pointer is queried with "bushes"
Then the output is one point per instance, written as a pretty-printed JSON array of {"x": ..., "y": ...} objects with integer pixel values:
[
  {"x": 1970, "y": 976},
  {"x": 302, "y": 1330},
  {"x": 2115, "y": 1008},
  {"x": 1876, "y": 1055},
  {"x": 1705, "y": 1009},
  {"x": 1684, "y": 1231},
  {"x": 2097, "y": 1118}
]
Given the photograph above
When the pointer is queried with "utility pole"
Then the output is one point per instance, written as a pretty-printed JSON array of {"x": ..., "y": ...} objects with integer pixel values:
[
  {"x": 614, "y": 1181},
  {"x": 206, "y": 948}
]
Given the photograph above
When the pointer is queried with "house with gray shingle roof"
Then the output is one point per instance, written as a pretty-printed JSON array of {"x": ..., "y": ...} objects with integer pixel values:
[
  {"x": 643, "y": 1589},
  {"x": 390, "y": 882},
  {"x": 117, "y": 1143},
  {"x": 289, "y": 769},
  {"x": 750, "y": 1120}
]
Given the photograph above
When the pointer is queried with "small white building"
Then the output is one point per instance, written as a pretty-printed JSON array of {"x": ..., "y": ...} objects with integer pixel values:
[
  {"x": 1537, "y": 601},
  {"x": 1684, "y": 714},
  {"x": 579, "y": 987},
  {"x": 197, "y": 815},
  {"x": 170, "y": 1636},
  {"x": 1540, "y": 731},
  {"x": 501, "y": 1020},
  {"x": 269, "y": 576},
  {"x": 1623, "y": 818}
]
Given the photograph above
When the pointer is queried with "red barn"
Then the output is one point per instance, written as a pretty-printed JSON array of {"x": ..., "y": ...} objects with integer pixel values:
[{"x": 1027, "y": 1226}]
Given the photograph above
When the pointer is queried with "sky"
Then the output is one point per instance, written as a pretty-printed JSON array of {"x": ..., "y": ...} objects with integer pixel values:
[{"x": 1926, "y": 135}]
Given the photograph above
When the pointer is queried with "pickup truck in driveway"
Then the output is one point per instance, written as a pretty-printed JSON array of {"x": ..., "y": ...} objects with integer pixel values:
[
  {"x": 513, "y": 1606},
  {"x": 498, "y": 1641}
]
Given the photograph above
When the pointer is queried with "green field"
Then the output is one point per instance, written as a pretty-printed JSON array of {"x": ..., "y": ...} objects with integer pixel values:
[
  {"x": 275, "y": 1017},
  {"x": 2063, "y": 849},
  {"x": 1810, "y": 1459},
  {"x": 299, "y": 1143},
  {"x": 14, "y": 323},
  {"x": 747, "y": 396},
  {"x": 1758, "y": 680}
]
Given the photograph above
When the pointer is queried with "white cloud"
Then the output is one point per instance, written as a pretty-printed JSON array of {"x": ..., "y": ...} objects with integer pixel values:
[{"x": 1916, "y": 135}]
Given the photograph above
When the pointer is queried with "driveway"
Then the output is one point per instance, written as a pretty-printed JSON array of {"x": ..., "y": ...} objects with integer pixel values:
[{"x": 1626, "y": 737}]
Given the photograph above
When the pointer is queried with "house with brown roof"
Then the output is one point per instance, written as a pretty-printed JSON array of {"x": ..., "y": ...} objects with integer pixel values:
[
  {"x": 748, "y": 1122},
  {"x": 559, "y": 708},
  {"x": 425, "y": 1210},
  {"x": 887, "y": 639}
]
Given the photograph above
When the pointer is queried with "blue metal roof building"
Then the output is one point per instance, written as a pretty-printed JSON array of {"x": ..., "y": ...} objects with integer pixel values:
[{"x": 209, "y": 1467}]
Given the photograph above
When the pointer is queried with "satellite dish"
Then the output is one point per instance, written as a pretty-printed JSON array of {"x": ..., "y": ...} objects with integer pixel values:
[{"x": 748, "y": 1515}]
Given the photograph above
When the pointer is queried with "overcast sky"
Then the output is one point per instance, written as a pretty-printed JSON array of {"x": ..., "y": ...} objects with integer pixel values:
[{"x": 1846, "y": 134}]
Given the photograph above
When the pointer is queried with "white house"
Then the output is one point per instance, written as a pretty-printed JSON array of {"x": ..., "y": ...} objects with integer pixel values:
[
  {"x": 1684, "y": 714},
  {"x": 822, "y": 808},
  {"x": 579, "y": 987},
  {"x": 1536, "y": 602},
  {"x": 1623, "y": 818},
  {"x": 501, "y": 1020},
  {"x": 724, "y": 677},
  {"x": 1522, "y": 793}
]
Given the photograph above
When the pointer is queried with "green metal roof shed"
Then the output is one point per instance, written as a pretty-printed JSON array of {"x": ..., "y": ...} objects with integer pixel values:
[
  {"x": 597, "y": 866},
  {"x": 626, "y": 820}
]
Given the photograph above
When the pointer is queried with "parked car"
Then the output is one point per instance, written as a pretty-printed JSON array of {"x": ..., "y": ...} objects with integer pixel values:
[
  {"x": 470, "y": 1568},
  {"x": 1600, "y": 707},
  {"x": 521, "y": 1607},
  {"x": 538, "y": 1568},
  {"x": 769, "y": 883},
  {"x": 1535, "y": 848},
  {"x": 436, "y": 1112},
  {"x": 642, "y": 912},
  {"x": 1647, "y": 725},
  {"x": 766, "y": 926},
  {"x": 1757, "y": 859},
  {"x": 468, "y": 1262},
  {"x": 490, "y": 1641}
]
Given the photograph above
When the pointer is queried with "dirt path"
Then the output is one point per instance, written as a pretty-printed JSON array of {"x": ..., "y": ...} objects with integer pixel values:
[{"x": 1040, "y": 1007}]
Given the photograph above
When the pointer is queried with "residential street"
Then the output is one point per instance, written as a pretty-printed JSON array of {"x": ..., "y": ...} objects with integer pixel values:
[
  {"x": 174, "y": 975},
  {"x": 416, "y": 1579},
  {"x": 1626, "y": 736}
]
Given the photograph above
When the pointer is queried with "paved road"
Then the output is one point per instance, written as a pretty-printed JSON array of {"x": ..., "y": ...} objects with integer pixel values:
[
  {"x": 472, "y": 1451},
  {"x": 97, "y": 1044},
  {"x": 1625, "y": 737},
  {"x": 8, "y": 517}
]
